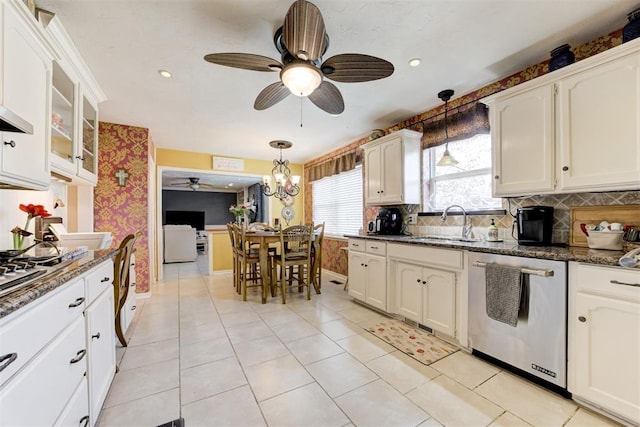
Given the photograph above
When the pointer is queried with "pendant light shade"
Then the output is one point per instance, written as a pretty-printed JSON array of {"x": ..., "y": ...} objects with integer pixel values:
[{"x": 447, "y": 159}]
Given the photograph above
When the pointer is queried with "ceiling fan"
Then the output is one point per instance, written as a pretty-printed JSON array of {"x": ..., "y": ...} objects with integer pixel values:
[
  {"x": 193, "y": 183},
  {"x": 301, "y": 41}
]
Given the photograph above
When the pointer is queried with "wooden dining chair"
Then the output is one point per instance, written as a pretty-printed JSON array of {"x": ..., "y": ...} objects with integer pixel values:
[
  {"x": 121, "y": 267},
  {"x": 294, "y": 260},
  {"x": 316, "y": 256},
  {"x": 248, "y": 262},
  {"x": 234, "y": 254}
]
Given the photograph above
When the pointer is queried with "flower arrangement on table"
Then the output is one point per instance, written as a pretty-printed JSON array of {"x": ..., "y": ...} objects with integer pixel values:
[
  {"x": 241, "y": 211},
  {"x": 32, "y": 211}
]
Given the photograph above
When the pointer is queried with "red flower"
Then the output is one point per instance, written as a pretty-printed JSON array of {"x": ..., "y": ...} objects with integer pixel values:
[{"x": 34, "y": 210}]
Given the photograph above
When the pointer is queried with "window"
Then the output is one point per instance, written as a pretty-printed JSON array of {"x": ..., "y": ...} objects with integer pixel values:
[
  {"x": 467, "y": 184},
  {"x": 337, "y": 201}
]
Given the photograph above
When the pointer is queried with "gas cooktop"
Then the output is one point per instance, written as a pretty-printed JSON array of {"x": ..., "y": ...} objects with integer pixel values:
[{"x": 22, "y": 271}]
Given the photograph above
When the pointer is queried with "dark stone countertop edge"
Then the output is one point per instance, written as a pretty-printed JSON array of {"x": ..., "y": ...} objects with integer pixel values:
[
  {"x": 557, "y": 253},
  {"x": 13, "y": 301}
]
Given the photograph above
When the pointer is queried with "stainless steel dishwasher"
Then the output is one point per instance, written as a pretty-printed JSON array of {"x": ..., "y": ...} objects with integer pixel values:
[{"x": 537, "y": 345}]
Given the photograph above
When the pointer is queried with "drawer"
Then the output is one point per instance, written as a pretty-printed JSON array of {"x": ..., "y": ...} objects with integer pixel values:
[
  {"x": 26, "y": 331},
  {"x": 37, "y": 395},
  {"x": 77, "y": 411},
  {"x": 424, "y": 255},
  {"x": 612, "y": 281},
  {"x": 357, "y": 245},
  {"x": 99, "y": 279},
  {"x": 376, "y": 247}
]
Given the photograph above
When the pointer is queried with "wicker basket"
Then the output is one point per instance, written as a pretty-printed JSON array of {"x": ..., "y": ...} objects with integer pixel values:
[{"x": 605, "y": 240}]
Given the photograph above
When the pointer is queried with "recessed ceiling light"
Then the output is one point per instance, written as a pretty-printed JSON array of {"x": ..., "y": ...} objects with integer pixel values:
[
  {"x": 165, "y": 73},
  {"x": 414, "y": 62},
  {"x": 231, "y": 184}
]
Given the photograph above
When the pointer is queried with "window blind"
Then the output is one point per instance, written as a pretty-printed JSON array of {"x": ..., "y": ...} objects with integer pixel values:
[{"x": 337, "y": 201}]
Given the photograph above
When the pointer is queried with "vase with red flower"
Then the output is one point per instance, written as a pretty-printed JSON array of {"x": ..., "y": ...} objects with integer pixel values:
[{"x": 32, "y": 211}]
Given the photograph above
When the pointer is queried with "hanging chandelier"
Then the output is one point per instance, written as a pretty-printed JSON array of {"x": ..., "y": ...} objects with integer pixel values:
[{"x": 284, "y": 185}]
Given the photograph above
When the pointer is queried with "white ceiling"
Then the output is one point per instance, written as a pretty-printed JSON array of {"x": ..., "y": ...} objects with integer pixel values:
[
  {"x": 179, "y": 180},
  {"x": 464, "y": 44}
]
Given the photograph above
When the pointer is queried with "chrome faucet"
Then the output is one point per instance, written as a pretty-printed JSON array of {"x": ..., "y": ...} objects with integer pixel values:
[
  {"x": 466, "y": 228},
  {"x": 47, "y": 243}
]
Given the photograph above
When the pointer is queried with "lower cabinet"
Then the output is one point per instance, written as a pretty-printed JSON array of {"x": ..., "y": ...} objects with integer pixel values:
[
  {"x": 129, "y": 308},
  {"x": 427, "y": 296},
  {"x": 368, "y": 272},
  {"x": 604, "y": 338}
]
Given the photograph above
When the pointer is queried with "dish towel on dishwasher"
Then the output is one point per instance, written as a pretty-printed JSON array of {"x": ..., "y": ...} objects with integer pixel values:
[{"x": 504, "y": 292}]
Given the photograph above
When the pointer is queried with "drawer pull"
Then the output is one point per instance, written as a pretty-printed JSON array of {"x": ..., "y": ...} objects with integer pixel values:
[
  {"x": 96, "y": 336},
  {"x": 105, "y": 279},
  {"x": 7, "y": 360},
  {"x": 133, "y": 307},
  {"x": 374, "y": 247},
  {"x": 84, "y": 421},
  {"x": 617, "y": 282},
  {"x": 79, "y": 356},
  {"x": 11, "y": 143},
  {"x": 77, "y": 302}
]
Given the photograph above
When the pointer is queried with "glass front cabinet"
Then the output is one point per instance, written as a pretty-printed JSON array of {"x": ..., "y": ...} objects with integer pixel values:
[{"x": 75, "y": 96}]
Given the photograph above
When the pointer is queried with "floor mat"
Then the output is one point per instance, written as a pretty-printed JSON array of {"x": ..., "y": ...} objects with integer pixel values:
[{"x": 420, "y": 345}]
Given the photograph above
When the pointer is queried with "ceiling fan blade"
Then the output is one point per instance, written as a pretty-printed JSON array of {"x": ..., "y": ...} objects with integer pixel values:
[
  {"x": 304, "y": 31},
  {"x": 355, "y": 68},
  {"x": 327, "y": 97},
  {"x": 246, "y": 61},
  {"x": 271, "y": 95}
]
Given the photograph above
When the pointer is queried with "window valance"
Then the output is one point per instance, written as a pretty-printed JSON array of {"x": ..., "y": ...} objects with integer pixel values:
[
  {"x": 460, "y": 125},
  {"x": 342, "y": 163}
]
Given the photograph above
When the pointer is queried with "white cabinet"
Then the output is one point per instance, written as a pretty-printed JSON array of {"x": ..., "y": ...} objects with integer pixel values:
[
  {"x": 59, "y": 352},
  {"x": 368, "y": 272},
  {"x": 604, "y": 338},
  {"x": 100, "y": 336},
  {"x": 74, "y": 115},
  {"x": 392, "y": 169},
  {"x": 522, "y": 131},
  {"x": 576, "y": 129},
  {"x": 129, "y": 308},
  {"x": 427, "y": 296},
  {"x": 25, "y": 88}
]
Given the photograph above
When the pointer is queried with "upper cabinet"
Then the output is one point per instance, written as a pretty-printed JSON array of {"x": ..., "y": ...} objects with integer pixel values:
[
  {"x": 576, "y": 129},
  {"x": 25, "y": 87},
  {"x": 74, "y": 115},
  {"x": 392, "y": 169}
]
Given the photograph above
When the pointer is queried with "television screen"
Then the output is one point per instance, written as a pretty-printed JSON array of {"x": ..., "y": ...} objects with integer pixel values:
[{"x": 192, "y": 218}]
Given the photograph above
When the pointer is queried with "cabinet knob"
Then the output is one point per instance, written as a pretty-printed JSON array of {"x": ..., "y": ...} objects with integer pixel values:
[
  {"x": 382, "y": 191},
  {"x": 96, "y": 336},
  {"x": 81, "y": 158},
  {"x": 582, "y": 319},
  {"x": 496, "y": 177},
  {"x": 84, "y": 421},
  {"x": 11, "y": 143},
  {"x": 418, "y": 280},
  {"x": 7, "y": 360},
  {"x": 424, "y": 282},
  {"x": 133, "y": 307},
  {"x": 104, "y": 279},
  {"x": 565, "y": 168}
]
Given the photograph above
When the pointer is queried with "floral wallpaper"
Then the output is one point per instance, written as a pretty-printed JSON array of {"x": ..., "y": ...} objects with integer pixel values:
[
  {"x": 337, "y": 259},
  {"x": 123, "y": 210}
]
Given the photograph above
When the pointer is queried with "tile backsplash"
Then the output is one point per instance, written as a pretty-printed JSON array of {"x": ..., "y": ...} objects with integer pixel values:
[{"x": 560, "y": 202}]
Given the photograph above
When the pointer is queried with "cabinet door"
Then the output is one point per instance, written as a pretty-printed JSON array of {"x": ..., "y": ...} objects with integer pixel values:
[
  {"x": 409, "y": 291},
  {"x": 25, "y": 91},
  {"x": 88, "y": 151},
  {"x": 63, "y": 124},
  {"x": 356, "y": 275},
  {"x": 599, "y": 128},
  {"x": 376, "y": 281},
  {"x": 392, "y": 171},
  {"x": 101, "y": 351},
  {"x": 607, "y": 351},
  {"x": 439, "y": 301},
  {"x": 372, "y": 176},
  {"x": 522, "y": 132}
]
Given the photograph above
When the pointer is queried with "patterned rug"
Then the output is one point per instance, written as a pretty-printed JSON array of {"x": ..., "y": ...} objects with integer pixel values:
[{"x": 420, "y": 345}]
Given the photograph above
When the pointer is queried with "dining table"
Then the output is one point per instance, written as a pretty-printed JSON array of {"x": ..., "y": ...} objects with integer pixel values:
[{"x": 264, "y": 238}]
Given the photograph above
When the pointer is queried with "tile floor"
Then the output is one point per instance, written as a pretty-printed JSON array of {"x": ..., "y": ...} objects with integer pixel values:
[{"x": 198, "y": 352}]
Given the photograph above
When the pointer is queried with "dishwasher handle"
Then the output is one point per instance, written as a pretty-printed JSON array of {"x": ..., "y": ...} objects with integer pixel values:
[{"x": 524, "y": 270}]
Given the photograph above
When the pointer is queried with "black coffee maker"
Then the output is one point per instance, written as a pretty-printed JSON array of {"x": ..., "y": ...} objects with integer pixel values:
[
  {"x": 389, "y": 221},
  {"x": 535, "y": 224}
]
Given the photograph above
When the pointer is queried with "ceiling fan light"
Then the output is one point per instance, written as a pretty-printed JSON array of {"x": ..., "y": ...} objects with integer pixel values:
[{"x": 301, "y": 78}]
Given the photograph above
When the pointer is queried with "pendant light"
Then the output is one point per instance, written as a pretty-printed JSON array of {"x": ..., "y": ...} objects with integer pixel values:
[{"x": 447, "y": 159}]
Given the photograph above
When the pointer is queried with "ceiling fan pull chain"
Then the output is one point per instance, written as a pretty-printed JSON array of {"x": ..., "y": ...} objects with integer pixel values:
[{"x": 300, "y": 111}]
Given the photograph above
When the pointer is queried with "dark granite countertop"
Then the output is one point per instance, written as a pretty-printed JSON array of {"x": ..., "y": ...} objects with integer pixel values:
[
  {"x": 558, "y": 253},
  {"x": 58, "y": 277}
]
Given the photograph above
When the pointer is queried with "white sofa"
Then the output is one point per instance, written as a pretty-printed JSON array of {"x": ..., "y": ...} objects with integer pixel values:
[{"x": 179, "y": 243}]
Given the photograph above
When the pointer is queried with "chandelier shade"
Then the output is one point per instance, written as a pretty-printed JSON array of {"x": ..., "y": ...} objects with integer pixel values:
[
  {"x": 301, "y": 78},
  {"x": 281, "y": 184},
  {"x": 447, "y": 159}
]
